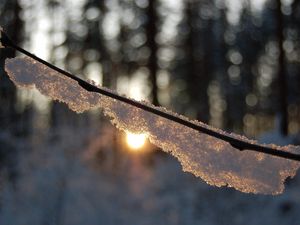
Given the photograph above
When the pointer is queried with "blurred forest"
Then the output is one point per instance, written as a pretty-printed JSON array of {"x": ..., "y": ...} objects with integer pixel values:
[{"x": 232, "y": 64}]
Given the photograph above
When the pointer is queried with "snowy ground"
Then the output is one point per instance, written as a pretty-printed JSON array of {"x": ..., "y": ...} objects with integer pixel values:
[{"x": 59, "y": 184}]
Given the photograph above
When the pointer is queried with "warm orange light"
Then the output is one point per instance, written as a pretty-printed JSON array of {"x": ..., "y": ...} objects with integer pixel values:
[{"x": 135, "y": 141}]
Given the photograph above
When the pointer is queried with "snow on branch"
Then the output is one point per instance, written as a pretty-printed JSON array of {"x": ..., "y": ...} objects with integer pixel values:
[
  {"x": 207, "y": 152},
  {"x": 214, "y": 160}
]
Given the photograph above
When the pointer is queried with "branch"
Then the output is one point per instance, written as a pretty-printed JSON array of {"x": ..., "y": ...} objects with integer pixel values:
[{"x": 233, "y": 141}]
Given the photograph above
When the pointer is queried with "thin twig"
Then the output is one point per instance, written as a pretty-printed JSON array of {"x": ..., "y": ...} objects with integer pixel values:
[{"x": 233, "y": 141}]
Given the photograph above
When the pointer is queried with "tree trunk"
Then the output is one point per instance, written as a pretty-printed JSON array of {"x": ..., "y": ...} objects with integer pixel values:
[
  {"x": 152, "y": 61},
  {"x": 282, "y": 79},
  {"x": 13, "y": 28}
]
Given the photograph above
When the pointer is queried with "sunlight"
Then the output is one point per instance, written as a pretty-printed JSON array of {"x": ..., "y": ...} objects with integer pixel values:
[{"x": 135, "y": 141}]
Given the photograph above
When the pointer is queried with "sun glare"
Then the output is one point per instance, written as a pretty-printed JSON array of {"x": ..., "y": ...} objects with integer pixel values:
[{"x": 135, "y": 141}]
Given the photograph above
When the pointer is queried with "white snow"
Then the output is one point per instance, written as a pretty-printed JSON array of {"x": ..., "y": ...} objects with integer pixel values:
[{"x": 215, "y": 161}]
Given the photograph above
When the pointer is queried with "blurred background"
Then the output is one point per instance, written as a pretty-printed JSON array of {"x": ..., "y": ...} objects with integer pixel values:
[{"x": 233, "y": 64}]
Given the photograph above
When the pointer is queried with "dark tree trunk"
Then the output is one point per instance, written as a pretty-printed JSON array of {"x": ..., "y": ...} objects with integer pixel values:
[
  {"x": 197, "y": 64},
  {"x": 152, "y": 62},
  {"x": 13, "y": 28},
  {"x": 9, "y": 117},
  {"x": 282, "y": 79}
]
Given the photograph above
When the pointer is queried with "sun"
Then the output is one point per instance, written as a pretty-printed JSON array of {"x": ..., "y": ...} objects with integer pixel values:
[{"x": 135, "y": 141}]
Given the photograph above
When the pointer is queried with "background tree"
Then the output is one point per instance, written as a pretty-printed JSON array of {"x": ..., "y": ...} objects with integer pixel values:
[{"x": 12, "y": 122}]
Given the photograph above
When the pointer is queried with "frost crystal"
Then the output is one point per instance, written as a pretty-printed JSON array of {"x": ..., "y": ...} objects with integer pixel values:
[{"x": 214, "y": 160}]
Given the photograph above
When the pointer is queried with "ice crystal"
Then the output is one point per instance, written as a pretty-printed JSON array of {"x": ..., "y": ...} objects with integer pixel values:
[{"x": 214, "y": 160}]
